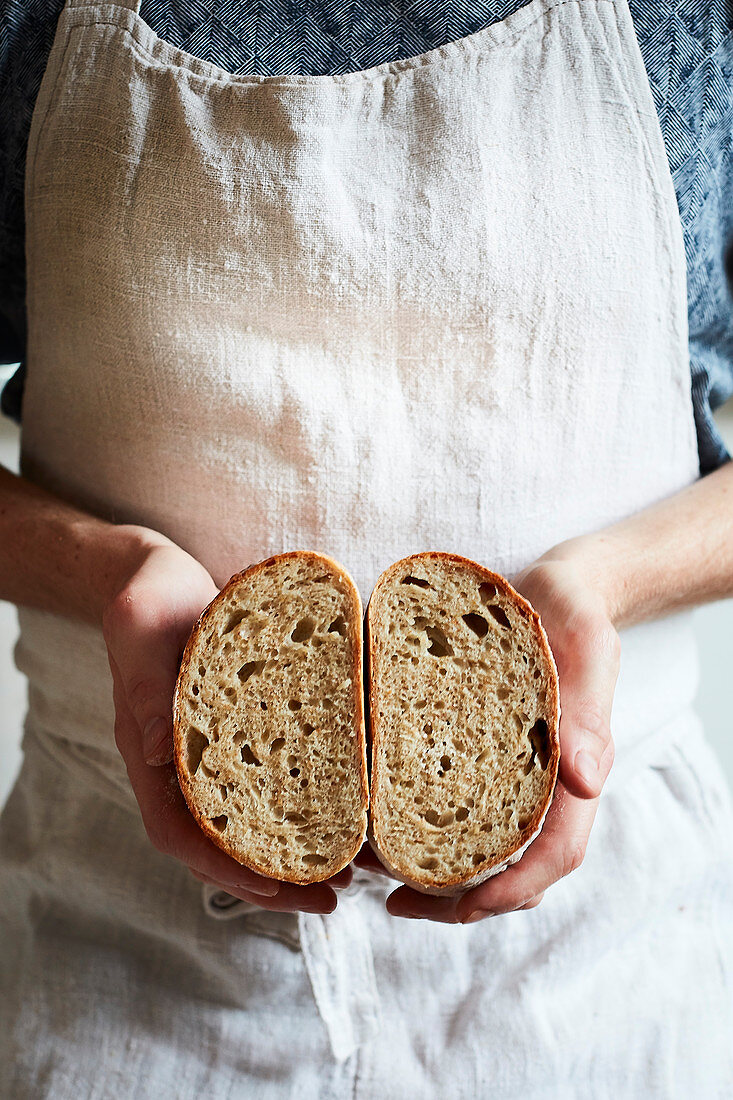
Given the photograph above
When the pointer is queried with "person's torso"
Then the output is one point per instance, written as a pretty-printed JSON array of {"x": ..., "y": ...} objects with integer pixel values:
[{"x": 435, "y": 304}]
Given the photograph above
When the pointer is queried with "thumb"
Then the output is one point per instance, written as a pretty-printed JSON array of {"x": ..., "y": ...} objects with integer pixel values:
[
  {"x": 145, "y": 628},
  {"x": 145, "y": 635},
  {"x": 144, "y": 650},
  {"x": 588, "y": 669}
]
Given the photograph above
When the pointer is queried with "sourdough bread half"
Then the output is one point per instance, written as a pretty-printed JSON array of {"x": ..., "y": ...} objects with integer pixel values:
[
  {"x": 464, "y": 711},
  {"x": 269, "y": 719}
]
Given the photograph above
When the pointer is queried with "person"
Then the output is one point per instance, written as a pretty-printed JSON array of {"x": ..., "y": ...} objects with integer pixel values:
[{"x": 470, "y": 299}]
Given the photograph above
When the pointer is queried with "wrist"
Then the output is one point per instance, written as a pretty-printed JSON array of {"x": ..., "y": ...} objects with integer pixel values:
[
  {"x": 669, "y": 557},
  {"x": 120, "y": 552},
  {"x": 595, "y": 562},
  {"x": 58, "y": 558}
]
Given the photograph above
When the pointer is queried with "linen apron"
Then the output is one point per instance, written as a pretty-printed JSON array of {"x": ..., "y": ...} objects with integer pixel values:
[{"x": 436, "y": 304}]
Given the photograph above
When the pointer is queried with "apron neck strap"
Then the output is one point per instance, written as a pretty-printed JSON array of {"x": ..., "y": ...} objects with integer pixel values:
[{"x": 130, "y": 5}]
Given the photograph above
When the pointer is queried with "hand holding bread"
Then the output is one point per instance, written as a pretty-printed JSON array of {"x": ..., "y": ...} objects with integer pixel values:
[
  {"x": 470, "y": 646},
  {"x": 145, "y": 627},
  {"x": 586, "y": 648}
]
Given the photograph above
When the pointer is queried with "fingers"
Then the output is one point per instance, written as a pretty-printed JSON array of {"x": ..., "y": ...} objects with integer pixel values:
[
  {"x": 342, "y": 879},
  {"x": 558, "y": 850},
  {"x": 533, "y": 902},
  {"x": 406, "y": 902},
  {"x": 587, "y": 656},
  {"x": 318, "y": 898}
]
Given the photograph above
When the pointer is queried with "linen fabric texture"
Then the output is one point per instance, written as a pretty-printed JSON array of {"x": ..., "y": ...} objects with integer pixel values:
[
  {"x": 437, "y": 304},
  {"x": 687, "y": 49},
  {"x": 121, "y": 984}
]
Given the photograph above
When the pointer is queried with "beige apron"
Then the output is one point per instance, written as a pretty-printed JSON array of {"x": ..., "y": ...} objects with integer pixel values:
[{"x": 436, "y": 304}]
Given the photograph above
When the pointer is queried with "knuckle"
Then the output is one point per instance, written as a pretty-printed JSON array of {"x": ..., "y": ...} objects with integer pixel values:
[
  {"x": 120, "y": 738},
  {"x": 607, "y": 641},
  {"x": 609, "y": 755},
  {"x": 573, "y": 857},
  {"x": 589, "y": 631},
  {"x": 594, "y": 723},
  {"x": 538, "y": 579},
  {"x": 141, "y": 693},
  {"x": 583, "y": 625},
  {"x": 533, "y": 902},
  {"x": 130, "y": 609},
  {"x": 158, "y": 833},
  {"x": 114, "y": 616}
]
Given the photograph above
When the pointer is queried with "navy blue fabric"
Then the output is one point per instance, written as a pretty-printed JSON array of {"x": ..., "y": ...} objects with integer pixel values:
[{"x": 687, "y": 47}]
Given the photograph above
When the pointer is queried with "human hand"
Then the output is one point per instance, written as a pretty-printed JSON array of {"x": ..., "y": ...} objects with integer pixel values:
[
  {"x": 146, "y": 625},
  {"x": 586, "y": 648}
]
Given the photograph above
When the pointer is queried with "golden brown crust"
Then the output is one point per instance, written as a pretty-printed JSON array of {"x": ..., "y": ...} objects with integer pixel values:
[
  {"x": 355, "y": 631},
  {"x": 426, "y": 883}
]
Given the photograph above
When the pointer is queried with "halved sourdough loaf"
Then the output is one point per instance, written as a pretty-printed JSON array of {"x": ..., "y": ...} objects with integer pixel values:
[
  {"x": 464, "y": 710},
  {"x": 269, "y": 719}
]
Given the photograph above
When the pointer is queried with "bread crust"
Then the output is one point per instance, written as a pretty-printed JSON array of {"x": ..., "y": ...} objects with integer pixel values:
[
  {"x": 493, "y": 866},
  {"x": 355, "y": 628}
]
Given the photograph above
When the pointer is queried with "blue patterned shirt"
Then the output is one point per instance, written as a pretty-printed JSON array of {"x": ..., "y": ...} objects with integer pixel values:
[{"x": 687, "y": 46}]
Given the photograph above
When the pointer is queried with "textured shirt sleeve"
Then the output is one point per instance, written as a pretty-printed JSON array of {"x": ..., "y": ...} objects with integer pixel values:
[
  {"x": 688, "y": 53},
  {"x": 27, "y": 29}
]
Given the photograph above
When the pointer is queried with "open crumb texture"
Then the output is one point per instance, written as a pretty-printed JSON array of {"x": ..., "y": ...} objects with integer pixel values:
[
  {"x": 269, "y": 719},
  {"x": 464, "y": 714}
]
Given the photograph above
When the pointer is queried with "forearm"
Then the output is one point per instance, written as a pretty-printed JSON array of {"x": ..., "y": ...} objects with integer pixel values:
[
  {"x": 56, "y": 557},
  {"x": 674, "y": 555}
]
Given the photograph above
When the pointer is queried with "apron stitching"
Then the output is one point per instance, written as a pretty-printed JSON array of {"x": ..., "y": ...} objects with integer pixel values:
[
  {"x": 52, "y": 95},
  {"x": 462, "y": 48}
]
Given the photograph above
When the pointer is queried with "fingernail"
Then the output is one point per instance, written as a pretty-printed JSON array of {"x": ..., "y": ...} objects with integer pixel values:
[
  {"x": 157, "y": 742},
  {"x": 586, "y": 767},
  {"x": 477, "y": 914},
  {"x": 317, "y": 909}
]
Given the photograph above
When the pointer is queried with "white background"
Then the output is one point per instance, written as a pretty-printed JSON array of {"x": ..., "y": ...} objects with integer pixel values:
[{"x": 714, "y": 628}]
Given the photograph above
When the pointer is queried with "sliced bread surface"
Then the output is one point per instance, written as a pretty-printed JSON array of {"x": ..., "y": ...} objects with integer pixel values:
[
  {"x": 269, "y": 719},
  {"x": 464, "y": 712}
]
